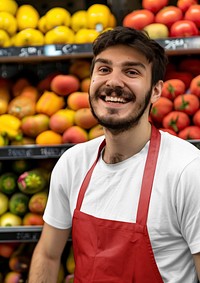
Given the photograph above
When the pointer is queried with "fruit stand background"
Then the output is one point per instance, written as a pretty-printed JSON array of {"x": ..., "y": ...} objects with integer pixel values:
[{"x": 44, "y": 103}]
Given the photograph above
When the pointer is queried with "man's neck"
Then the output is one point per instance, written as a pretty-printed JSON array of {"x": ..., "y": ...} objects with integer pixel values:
[{"x": 126, "y": 144}]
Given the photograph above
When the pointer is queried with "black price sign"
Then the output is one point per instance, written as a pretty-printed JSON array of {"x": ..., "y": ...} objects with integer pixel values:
[
  {"x": 20, "y": 234},
  {"x": 185, "y": 43},
  {"x": 19, "y": 152},
  {"x": 30, "y": 51},
  {"x": 11, "y": 152},
  {"x": 67, "y": 49},
  {"x": 52, "y": 151},
  {"x": 174, "y": 44},
  {"x": 46, "y": 50},
  {"x": 28, "y": 236},
  {"x": 4, "y": 52}
]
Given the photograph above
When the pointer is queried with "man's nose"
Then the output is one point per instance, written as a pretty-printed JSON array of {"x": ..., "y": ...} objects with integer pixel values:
[{"x": 114, "y": 79}]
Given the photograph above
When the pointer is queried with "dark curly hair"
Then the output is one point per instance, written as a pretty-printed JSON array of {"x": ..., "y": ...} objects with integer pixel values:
[{"x": 140, "y": 41}]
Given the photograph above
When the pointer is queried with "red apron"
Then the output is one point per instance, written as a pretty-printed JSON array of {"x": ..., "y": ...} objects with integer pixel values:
[{"x": 108, "y": 251}]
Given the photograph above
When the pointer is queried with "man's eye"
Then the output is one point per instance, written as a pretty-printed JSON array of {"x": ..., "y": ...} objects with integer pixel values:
[
  {"x": 103, "y": 70},
  {"x": 132, "y": 72}
]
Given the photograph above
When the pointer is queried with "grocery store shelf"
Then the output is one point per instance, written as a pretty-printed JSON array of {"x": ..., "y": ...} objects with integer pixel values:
[
  {"x": 32, "y": 151},
  {"x": 173, "y": 46},
  {"x": 41, "y": 152},
  {"x": 180, "y": 46},
  {"x": 45, "y": 53},
  {"x": 20, "y": 234}
]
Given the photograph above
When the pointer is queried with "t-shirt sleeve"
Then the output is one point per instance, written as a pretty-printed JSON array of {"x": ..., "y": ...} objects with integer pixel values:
[
  {"x": 188, "y": 204},
  {"x": 57, "y": 212}
]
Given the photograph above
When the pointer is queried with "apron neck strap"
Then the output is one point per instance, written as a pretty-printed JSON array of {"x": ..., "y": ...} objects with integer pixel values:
[
  {"x": 88, "y": 177},
  {"x": 148, "y": 177}
]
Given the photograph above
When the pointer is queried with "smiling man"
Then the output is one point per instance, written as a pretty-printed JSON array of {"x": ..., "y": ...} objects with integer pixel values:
[{"x": 131, "y": 198}]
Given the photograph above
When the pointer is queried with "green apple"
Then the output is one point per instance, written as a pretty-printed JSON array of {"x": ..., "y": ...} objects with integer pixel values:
[{"x": 157, "y": 30}]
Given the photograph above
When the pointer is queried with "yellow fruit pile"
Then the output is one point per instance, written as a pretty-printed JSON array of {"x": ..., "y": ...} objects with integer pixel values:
[{"x": 23, "y": 25}]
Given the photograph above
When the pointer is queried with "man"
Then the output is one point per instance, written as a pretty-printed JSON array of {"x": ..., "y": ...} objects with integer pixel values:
[{"x": 132, "y": 197}]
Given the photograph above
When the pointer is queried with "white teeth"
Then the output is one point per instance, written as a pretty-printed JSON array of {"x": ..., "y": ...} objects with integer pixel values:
[{"x": 114, "y": 99}]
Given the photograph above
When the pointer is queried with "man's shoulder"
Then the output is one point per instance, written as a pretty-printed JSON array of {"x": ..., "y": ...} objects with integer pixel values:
[{"x": 178, "y": 147}]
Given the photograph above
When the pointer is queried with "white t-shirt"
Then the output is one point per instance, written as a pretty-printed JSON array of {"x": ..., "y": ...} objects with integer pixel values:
[{"x": 113, "y": 193}]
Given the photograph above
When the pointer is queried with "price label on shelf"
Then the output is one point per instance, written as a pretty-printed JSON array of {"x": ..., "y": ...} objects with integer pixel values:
[
  {"x": 30, "y": 51},
  {"x": 20, "y": 234},
  {"x": 16, "y": 152},
  {"x": 46, "y": 50},
  {"x": 174, "y": 44},
  {"x": 67, "y": 49},
  {"x": 4, "y": 52},
  {"x": 184, "y": 43},
  {"x": 28, "y": 236}
]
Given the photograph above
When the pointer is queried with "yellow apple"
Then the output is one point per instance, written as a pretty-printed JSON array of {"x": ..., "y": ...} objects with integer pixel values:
[{"x": 157, "y": 30}]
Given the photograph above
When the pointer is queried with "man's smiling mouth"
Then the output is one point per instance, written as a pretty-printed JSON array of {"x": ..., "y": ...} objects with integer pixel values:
[
  {"x": 115, "y": 95},
  {"x": 114, "y": 99}
]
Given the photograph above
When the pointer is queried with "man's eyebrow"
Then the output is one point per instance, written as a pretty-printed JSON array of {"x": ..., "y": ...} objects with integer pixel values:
[
  {"x": 133, "y": 64},
  {"x": 104, "y": 61},
  {"x": 125, "y": 64}
]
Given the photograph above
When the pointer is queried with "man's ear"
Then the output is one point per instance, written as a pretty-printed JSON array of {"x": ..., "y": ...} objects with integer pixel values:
[{"x": 156, "y": 92}]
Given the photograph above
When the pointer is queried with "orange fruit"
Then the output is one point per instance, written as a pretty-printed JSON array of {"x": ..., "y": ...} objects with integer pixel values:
[{"x": 48, "y": 137}]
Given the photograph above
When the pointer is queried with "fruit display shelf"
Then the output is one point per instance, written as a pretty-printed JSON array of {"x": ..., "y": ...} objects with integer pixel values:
[
  {"x": 41, "y": 152},
  {"x": 20, "y": 234},
  {"x": 173, "y": 46},
  {"x": 181, "y": 46},
  {"x": 32, "y": 233},
  {"x": 45, "y": 52},
  {"x": 27, "y": 233},
  {"x": 32, "y": 151}
]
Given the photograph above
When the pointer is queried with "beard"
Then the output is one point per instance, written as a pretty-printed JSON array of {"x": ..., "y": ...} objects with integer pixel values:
[{"x": 120, "y": 125}]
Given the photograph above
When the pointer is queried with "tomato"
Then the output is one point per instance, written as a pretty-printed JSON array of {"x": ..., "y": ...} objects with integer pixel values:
[
  {"x": 195, "y": 86},
  {"x": 172, "y": 88},
  {"x": 193, "y": 14},
  {"x": 185, "y": 4},
  {"x": 184, "y": 76},
  {"x": 190, "y": 133},
  {"x": 176, "y": 120},
  {"x": 161, "y": 108},
  {"x": 138, "y": 19},
  {"x": 154, "y": 6},
  {"x": 196, "y": 118},
  {"x": 183, "y": 28},
  {"x": 187, "y": 103},
  {"x": 169, "y": 15}
]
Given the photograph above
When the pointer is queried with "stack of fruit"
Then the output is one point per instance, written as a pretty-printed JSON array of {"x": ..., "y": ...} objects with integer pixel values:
[
  {"x": 178, "y": 109},
  {"x": 162, "y": 20},
  {"x": 23, "y": 192},
  {"x": 15, "y": 263},
  {"x": 56, "y": 111},
  {"x": 23, "y": 25}
]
